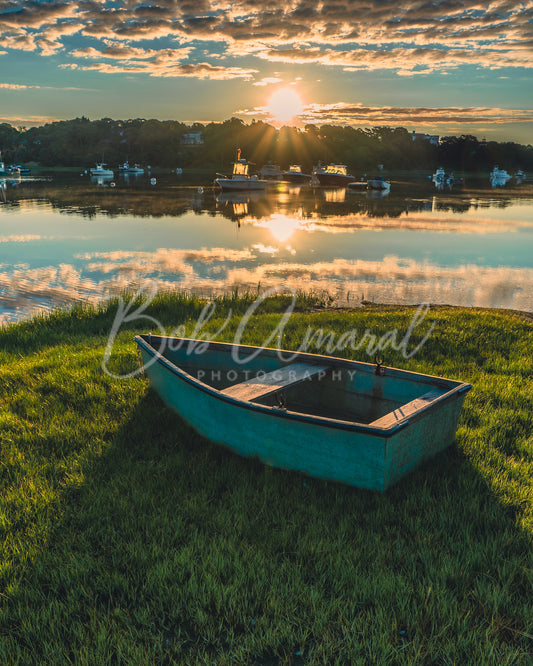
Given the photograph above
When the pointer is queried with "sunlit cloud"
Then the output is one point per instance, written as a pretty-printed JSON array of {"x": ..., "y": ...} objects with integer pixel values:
[
  {"x": 167, "y": 67},
  {"x": 413, "y": 38},
  {"x": 343, "y": 113},
  {"x": 23, "y": 86},
  {"x": 267, "y": 81},
  {"x": 15, "y": 86},
  {"x": 22, "y": 238},
  {"x": 358, "y": 113},
  {"x": 35, "y": 15},
  {"x": 28, "y": 120},
  {"x": 405, "y": 61}
]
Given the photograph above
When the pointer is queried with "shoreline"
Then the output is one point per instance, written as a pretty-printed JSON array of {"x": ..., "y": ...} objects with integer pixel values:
[{"x": 96, "y": 306}]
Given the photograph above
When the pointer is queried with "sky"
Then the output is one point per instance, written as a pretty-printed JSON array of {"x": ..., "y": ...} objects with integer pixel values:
[{"x": 442, "y": 67}]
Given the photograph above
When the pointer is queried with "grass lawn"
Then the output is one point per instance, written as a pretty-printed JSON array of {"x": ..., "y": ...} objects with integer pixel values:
[{"x": 126, "y": 538}]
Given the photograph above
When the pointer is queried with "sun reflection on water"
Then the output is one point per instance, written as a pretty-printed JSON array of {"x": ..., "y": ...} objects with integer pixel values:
[{"x": 282, "y": 227}]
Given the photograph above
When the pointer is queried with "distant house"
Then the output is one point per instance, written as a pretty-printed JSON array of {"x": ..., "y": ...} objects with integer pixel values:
[
  {"x": 191, "y": 139},
  {"x": 420, "y": 136}
]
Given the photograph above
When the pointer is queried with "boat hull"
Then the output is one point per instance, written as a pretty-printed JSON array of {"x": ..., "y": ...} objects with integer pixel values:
[
  {"x": 233, "y": 185},
  {"x": 297, "y": 178},
  {"x": 334, "y": 180},
  {"x": 358, "y": 185},
  {"x": 105, "y": 173},
  {"x": 370, "y": 455},
  {"x": 378, "y": 185}
]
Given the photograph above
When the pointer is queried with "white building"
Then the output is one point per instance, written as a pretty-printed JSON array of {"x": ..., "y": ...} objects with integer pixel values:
[
  {"x": 420, "y": 136},
  {"x": 191, "y": 139}
]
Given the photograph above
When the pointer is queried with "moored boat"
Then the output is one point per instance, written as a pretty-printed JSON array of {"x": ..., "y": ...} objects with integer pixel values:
[
  {"x": 378, "y": 183},
  {"x": 358, "y": 185},
  {"x": 126, "y": 168},
  {"x": 439, "y": 177},
  {"x": 334, "y": 175},
  {"x": 100, "y": 170},
  {"x": 443, "y": 179},
  {"x": 241, "y": 179},
  {"x": 499, "y": 177},
  {"x": 362, "y": 424},
  {"x": 19, "y": 170},
  {"x": 270, "y": 171},
  {"x": 295, "y": 175}
]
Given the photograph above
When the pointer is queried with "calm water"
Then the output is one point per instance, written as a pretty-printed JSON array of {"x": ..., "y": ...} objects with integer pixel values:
[{"x": 67, "y": 239}]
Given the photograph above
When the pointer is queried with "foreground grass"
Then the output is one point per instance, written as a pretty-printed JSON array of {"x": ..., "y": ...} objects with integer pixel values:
[{"x": 127, "y": 538}]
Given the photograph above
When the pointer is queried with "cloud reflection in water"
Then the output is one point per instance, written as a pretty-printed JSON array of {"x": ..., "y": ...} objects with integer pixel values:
[{"x": 312, "y": 242}]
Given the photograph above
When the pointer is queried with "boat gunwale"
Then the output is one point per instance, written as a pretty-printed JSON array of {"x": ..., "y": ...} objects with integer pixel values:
[{"x": 352, "y": 426}]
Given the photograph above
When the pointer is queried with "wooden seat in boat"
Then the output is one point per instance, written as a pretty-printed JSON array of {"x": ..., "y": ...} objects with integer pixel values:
[
  {"x": 408, "y": 409},
  {"x": 259, "y": 387}
]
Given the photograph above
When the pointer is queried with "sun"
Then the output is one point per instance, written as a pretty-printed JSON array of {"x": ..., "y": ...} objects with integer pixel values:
[{"x": 284, "y": 104}]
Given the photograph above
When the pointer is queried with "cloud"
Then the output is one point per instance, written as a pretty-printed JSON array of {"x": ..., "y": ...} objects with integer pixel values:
[
  {"x": 22, "y": 238},
  {"x": 359, "y": 114},
  {"x": 406, "y": 61},
  {"x": 161, "y": 63},
  {"x": 356, "y": 113},
  {"x": 35, "y": 14},
  {"x": 15, "y": 86},
  {"x": 268, "y": 80},
  {"x": 415, "y": 37},
  {"x": 201, "y": 70},
  {"x": 23, "y": 86},
  {"x": 28, "y": 121},
  {"x": 117, "y": 51}
]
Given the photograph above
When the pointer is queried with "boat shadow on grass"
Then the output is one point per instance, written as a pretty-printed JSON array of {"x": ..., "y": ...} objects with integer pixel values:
[{"x": 170, "y": 549}]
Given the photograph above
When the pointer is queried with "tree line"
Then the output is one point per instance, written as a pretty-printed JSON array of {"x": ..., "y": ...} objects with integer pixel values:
[{"x": 81, "y": 142}]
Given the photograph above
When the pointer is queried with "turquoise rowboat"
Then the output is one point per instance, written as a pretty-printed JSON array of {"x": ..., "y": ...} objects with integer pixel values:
[{"x": 362, "y": 424}]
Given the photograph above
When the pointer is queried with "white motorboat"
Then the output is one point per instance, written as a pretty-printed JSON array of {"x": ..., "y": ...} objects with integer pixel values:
[
  {"x": 378, "y": 183},
  {"x": 3, "y": 171},
  {"x": 125, "y": 168},
  {"x": 270, "y": 171},
  {"x": 100, "y": 170},
  {"x": 295, "y": 175},
  {"x": 18, "y": 170},
  {"x": 241, "y": 178},
  {"x": 499, "y": 177},
  {"x": 358, "y": 185},
  {"x": 442, "y": 179},
  {"x": 439, "y": 177},
  {"x": 520, "y": 176}
]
